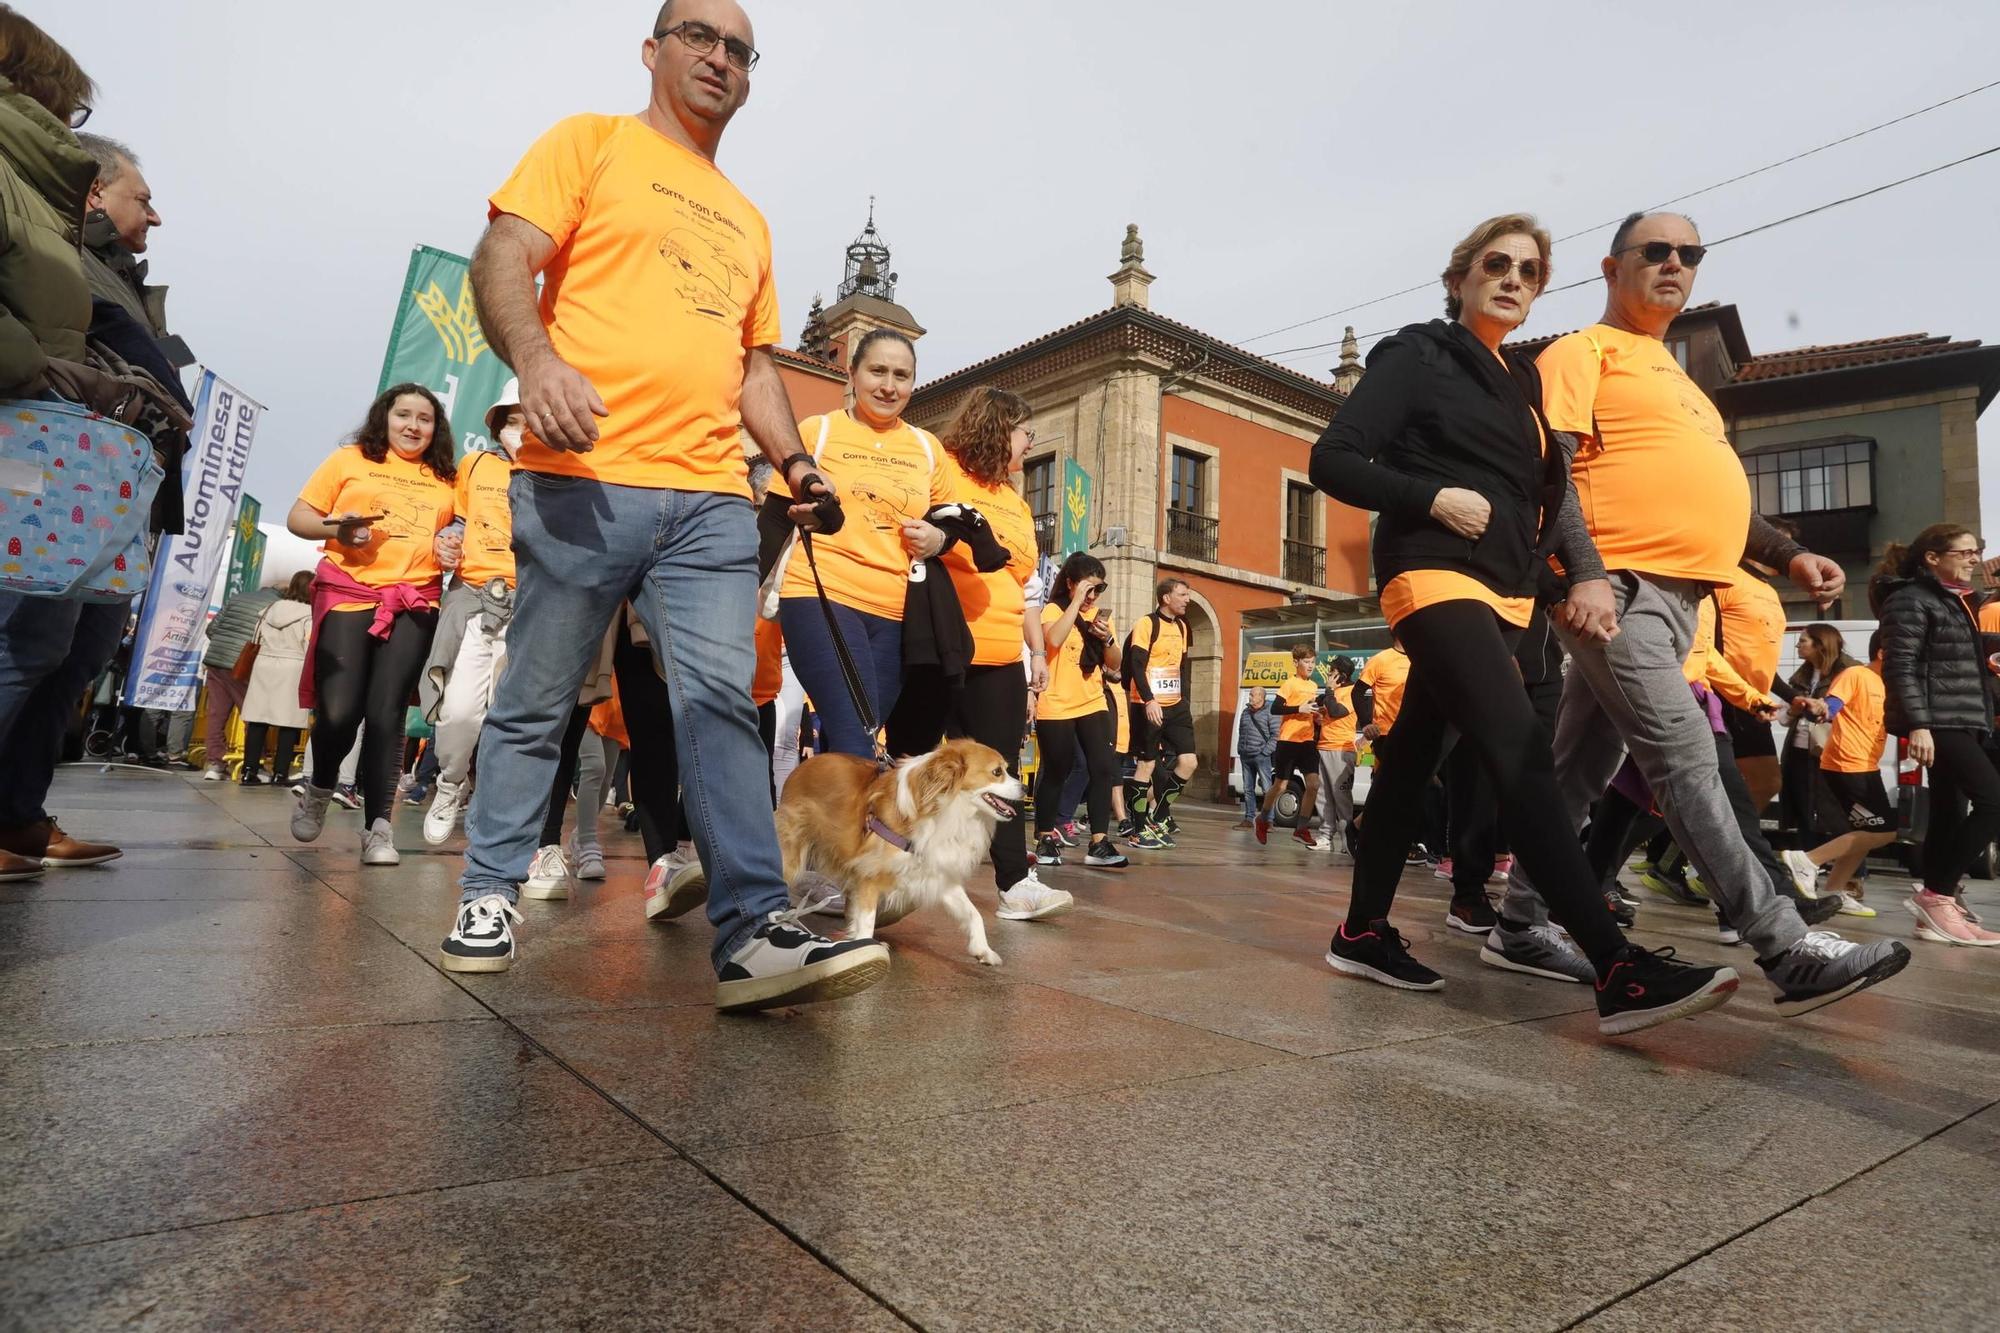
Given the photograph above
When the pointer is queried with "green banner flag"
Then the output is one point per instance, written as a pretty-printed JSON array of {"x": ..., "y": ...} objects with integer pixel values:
[
  {"x": 1075, "y": 508},
  {"x": 436, "y": 341},
  {"x": 246, "y": 554}
]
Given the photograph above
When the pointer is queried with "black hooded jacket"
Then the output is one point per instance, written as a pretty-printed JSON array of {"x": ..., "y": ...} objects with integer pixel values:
[
  {"x": 1438, "y": 409},
  {"x": 1933, "y": 658}
]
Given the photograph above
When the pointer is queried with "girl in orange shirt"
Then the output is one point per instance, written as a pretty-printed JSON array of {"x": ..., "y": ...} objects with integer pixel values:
[{"x": 379, "y": 505}]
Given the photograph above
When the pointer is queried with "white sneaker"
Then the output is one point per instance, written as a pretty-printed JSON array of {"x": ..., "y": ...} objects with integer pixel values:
[
  {"x": 548, "y": 876},
  {"x": 214, "y": 773},
  {"x": 784, "y": 963},
  {"x": 446, "y": 807},
  {"x": 309, "y": 813},
  {"x": 1804, "y": 873},
  {"x": 481, "y": 939},
  {"x": 1325, "y": 844},
  {"x": 675, "y": 885},
  {"x": 378, "y": 845},
  {"x": 590, "y": 864},
  {"x": 1028, "y": 899}
]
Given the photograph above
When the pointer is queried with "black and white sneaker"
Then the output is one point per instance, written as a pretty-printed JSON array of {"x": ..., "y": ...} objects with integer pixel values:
[
  {"x": 1539, "y": 951},
  {"x": 481, "y": 939},
  {"x": 1380, "y": 954},
  {"x": 1048, "y": 850},
  {"x": 1471, "y": 913},
  {"x": 1823, "y": 967},
  {"x": 1642, "y": 989},
  {"x": 1105, "y": 855},
  {"x": 784, "y": 963}
]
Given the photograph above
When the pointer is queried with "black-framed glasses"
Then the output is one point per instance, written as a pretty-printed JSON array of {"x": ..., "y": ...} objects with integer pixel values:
[
  {"x": 1656, "y": 252},
  {"x": 79, "y": 116},
  {"x": 701, "y": 39},
  {"x": 1974, "y": 551},
  {"x": 1497, "y": 265}
]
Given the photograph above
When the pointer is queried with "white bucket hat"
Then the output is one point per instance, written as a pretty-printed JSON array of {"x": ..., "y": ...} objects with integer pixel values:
[{"x": 510, "y": 398}]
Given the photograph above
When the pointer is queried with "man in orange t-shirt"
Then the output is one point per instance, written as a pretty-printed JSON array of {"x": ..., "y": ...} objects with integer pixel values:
[
  {"x": 1665, "y": 501},
  {"x": 644, "y": 358}
]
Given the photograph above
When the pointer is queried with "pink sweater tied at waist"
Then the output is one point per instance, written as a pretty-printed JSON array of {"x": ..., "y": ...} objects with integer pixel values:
[{"x": 333, "y": 585}]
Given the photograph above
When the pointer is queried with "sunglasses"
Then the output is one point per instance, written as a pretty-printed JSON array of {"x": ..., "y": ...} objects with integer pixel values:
[
  {"x": 1656, "y": 252},
  {"x": 1497, "y": 265},
  {"x": 701, "y": 39}
]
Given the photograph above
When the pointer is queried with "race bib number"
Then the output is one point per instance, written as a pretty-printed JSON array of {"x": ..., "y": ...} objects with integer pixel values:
[{"x": 1165, "y": 683}]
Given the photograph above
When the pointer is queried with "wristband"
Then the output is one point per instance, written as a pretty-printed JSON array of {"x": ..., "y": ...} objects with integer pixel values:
[{"x": 785, "y": 464}]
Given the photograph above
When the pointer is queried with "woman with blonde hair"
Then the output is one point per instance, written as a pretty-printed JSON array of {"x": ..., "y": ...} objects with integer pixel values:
[{"x": 1444, "y": 437}]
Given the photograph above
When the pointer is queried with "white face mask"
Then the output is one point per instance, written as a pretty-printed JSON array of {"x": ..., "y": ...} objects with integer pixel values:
[{"x": 510, "y": 440}]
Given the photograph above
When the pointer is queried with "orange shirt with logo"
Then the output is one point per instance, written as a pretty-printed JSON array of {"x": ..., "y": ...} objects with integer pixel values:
[
  {"x": 994, "y": 603},
  {"x": 1164, "y": 653},
  {"x": 1297, "y": 691},
  {"x": 414, "y": 503},
  {"x": 660, "y": 281},
  {"x": 1071, "y": 693},
  {"x": 1386, "y": 673},
  {"x": 480, "y": 498},
  {"x": 886, "y": 478},
  {"x": 1855, "y": 742},
  {"x": 1661, "y": 489},
  {"x": 1337, "y": 733}
]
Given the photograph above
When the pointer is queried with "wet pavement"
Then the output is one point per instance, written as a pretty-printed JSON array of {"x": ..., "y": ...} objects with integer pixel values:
[{"x": 238, "y": 1092}]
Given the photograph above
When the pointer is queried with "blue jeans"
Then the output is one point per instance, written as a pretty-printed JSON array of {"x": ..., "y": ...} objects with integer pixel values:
[
  {"x": 1256, "y": 781},
  {"x": 687, "y": 561},
  {"x": 50, "y": 650},
  {"x": 875, "y": 643}
]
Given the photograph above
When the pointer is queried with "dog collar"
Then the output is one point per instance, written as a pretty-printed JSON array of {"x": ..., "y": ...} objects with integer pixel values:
[{"x": 887, "y": 834}]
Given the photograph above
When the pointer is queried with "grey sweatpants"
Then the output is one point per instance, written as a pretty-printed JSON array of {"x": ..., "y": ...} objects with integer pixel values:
[
  {"x": 1336, "y": 790},
  {"x": 1630, "y": 693}
]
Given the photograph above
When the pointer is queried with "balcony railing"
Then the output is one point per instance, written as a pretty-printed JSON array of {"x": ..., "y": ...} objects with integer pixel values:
[
  {"x": 1305, "y": 562},
  {"x": 1047, "y": 526},
  {"x": 1191, "y": 535}
]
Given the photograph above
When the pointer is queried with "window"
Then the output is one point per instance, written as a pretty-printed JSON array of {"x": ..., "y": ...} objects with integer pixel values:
[
  {"x": 1305, "y": 558},
  {"x": 1679, "y": 347},
  {"x": 1188, "y": 488},
  {"x": 1038, "y": 480},
  {"x": 1836, "y": 474}
]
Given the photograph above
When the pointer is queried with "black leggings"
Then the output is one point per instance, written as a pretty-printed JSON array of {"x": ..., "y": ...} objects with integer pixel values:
[
  {"x": 559, "y": 792},
  {"x": 362, "y": 678},
  {"x": 649, "y": 724},
  {"x": 1798, "y": 771},
  {"x": 253, "y": 749},
  {"x": 991, "y": 708},
  {"x": 1057, "y": 741},
  {"x": 1962, "y": 771},
  {"x": 1463, "y": 675}
]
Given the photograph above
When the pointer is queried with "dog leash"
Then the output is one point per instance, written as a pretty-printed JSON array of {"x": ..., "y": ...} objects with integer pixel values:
[{"x": 850, "y": 675}]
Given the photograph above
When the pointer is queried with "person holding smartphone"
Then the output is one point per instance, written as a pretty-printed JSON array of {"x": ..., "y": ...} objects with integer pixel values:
[
  {"x": 379, "y": 504},
  {"x": 1072, "y": 710},
  {"x": 1297, "y": 756}
]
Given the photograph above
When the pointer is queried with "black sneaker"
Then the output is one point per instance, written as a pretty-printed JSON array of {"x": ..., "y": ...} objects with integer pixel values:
[
  {"x": 784, "y": 963},
  {"x": 1622, "y": 911},
  {"x": 1642, "y": 989},
  {"x": 1813, "y": 911},
  {"x": 1066, "y": 833},
  {"x": 1471, "y": 913},
  {"x": 1128, "y": 828},
  {"x": 1048, "y": 850},
  {"x": 1418, "y": 855},
  {"x": 1105, "y": 856},
  {"x": 481, "y": 939},
  {"x": 252, "y": 779},
  {"x": 1171, "y": 825},
  {"x": 1380, "y": 954}
]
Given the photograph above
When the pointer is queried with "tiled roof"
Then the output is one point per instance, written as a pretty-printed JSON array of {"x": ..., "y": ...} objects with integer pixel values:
[
  {"x": 1846, "y": 356},
  {"x": 796, "y": 358}
]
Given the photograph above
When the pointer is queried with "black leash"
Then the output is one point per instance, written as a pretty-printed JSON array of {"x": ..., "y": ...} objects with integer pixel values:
[{"x": 850, "y": 675}]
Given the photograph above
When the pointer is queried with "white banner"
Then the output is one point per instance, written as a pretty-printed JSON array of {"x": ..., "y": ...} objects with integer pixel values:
[{"x": 173, "y": 628}]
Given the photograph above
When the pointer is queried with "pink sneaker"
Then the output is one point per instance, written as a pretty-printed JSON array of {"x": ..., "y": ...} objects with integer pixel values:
[
  {"x": 1941, "y": 919},
  {"x": 1503, "y": 866},
  {"x": 1442, "y": 870}
]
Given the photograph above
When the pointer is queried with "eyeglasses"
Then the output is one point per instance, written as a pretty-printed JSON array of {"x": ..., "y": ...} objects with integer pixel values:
[
  {"x": 1028, "y": 431},
  {"x": 1656, "y": 252},
  {"x": 701, "y": 39},
  {"x": 1497, "y": 265},
  {"x": 1974, "y": 551},
  {"x": 78, "y": 117}
]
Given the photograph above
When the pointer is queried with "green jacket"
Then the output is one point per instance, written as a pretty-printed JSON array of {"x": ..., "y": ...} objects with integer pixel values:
[{"x": 45, "y": 176}]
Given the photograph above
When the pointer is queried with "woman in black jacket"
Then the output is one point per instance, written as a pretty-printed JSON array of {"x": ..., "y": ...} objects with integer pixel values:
[
  {"x": 1445, "y": 439},
  {"x": 1934, "y": 672}
]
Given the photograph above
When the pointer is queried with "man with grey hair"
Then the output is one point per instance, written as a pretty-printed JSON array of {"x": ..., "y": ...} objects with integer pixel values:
[{"x": 1669, "y": 512}]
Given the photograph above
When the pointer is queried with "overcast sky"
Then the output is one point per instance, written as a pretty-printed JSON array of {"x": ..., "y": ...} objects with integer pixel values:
[{"x": 1282, "y": 159}]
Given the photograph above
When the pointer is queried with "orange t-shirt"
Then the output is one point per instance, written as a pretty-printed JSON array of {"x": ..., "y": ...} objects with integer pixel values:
[
  {"x": 1337, "y": 733},
  {"x": 1855, "y": 742},
  {"x": 1661, "y": 490},
  {"x": 661, "y": 279},
  {"x": 480, "y": 498},
  {"x": 769, "y": 680},
  {"x": 1163, "y": 659},
  {"x": 1753, "y": 628},
  {"x": 1071, "y": 693},
  {"x": 1386, "y": 673},
  {"x": 886, "y": 478},
  {"x": 1411, "y": 592},
  {"x": 414, "y": 501},
  {"x": 1297, "y": 691},
  {"x": 995, "y": 603},
  {"x": 1707, "y": 666}
]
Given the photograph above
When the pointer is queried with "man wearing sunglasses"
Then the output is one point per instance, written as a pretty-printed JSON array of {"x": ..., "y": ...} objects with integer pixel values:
[
  {"x": 1669, "y": 511},
  {"x": 642, "y": 362}
]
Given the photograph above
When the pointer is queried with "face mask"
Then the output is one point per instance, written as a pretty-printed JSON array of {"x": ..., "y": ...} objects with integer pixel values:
[{"x": 510, "y": 440}]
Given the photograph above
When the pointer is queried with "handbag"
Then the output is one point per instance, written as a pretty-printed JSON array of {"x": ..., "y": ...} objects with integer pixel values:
[
  {"x": 76, "y": 489},
  {"x": 246, "y": 661}
]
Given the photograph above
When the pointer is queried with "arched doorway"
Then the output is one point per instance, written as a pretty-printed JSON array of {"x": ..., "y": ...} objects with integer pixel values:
[{"x": 1204, "y": 693}]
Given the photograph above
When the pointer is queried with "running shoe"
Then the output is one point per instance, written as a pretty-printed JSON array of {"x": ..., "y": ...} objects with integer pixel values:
[
  {"x": 1028, "y": 899},
  {"x": 590, "y": 864},
  {"x": 1104, "y": 855},
  {"x": 1674, "y": 890},
  {"x": 1379, "y": 953},
  {"x": 481, "y": 939},
  {"x": 1966, "y": 908},
  {"x": 1304, "y": 835},
  {"x": 1644, "y": 988},
  {"x": 1442, "y": 870},
  {"x": 1725, "y": 932},
  {"x": 1503, "y": 866},
  {"x": 784, "y": 963},
  {"x": 346, "y": 797},
  {"x": 1262, "y": 827},
  {"x": 1048, "y": 851},
  {"x": 1162, "y": 835},
  {"x": 1942, "y": 920},
  {"x": 214, "y": 773},
  {"x": 1539, "y": 951},
  {"x": 548, "y": 874},
  {"x": 417, "y": 794},
  {"x": 675, "y": 885},
  {"x": 1813, "y": 911},
  {"x": 1066, "y": 833},
  {"x": 447, "y": 807},
  {"x": 1804, "y": 873},
  {"x": 1624, "y": 913},
  {"x": 1152, "y": 840},
  {"x": 378, "y": 845},
  {"x": 1849, "y": 905},
  {"x": 1128, "y": 828},
  {"x": 253, "y": 779},
  {"x": 1471, "y": 914},
  {"x": 1242, "y": 824},
  {"x": 1324, "y": 843},
  {"x": 1417, "y": 855},
  {"x": 1823, "y": 967}
]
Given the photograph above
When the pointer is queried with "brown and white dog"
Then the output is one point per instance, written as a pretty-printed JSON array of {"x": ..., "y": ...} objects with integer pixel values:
[{"x": 900, "y": 839}]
